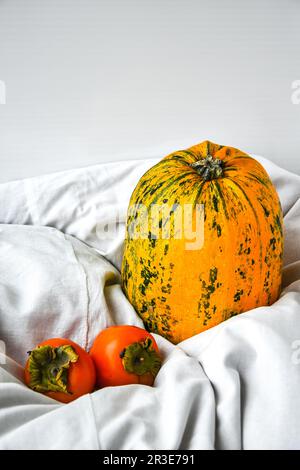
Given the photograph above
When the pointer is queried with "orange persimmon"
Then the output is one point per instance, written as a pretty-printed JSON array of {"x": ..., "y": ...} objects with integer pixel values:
[
  {"x": 60, "y": 369},
  {"x": 125, "y": 355}
]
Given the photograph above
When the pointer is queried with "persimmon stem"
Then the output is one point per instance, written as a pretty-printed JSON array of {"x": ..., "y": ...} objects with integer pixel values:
[
  {"x": 48, "y": 368},
  {"x": 141, "y": 358}
]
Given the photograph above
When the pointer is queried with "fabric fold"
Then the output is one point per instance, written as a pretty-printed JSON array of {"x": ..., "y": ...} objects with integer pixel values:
[{"x": 235, "y": 386}]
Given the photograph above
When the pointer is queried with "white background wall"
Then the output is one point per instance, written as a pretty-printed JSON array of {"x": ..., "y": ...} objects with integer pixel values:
[{"x": 90, "y": 81}]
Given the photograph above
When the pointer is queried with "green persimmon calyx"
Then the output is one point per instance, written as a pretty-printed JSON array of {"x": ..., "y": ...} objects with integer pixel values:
[
  {"x": 141, "y": 358},
  {"x": 48, "y": 368}
]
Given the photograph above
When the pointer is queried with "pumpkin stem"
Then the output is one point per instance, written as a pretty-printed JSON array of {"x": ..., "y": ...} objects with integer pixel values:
[
  {"x": 141, "y": 358},
  {"x": 209, "y": 168},
  {"x": 48, "y": 368}
]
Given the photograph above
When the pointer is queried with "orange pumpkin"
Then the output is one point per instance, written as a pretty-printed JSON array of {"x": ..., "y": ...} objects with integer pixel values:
[{"x": 178, "y": 290}]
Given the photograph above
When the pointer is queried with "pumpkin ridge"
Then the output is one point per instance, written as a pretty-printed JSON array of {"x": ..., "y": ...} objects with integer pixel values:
[
  {"x": 218, "y": 187},
  {"x": 174, "y": 179},
  {"x": 247, "y": 157},
  {"x": 199, "y": 193},
  {"x": 258, "y": 179},
  {"x": 255, "y": 215},
  {"x": 185, "y": 152}
]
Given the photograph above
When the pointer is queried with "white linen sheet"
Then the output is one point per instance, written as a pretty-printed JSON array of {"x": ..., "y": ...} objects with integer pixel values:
[{"x": 235, "y": 386}]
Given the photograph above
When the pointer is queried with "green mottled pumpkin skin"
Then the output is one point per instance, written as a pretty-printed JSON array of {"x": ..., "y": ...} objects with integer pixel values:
[{"x": 180, "y": 292}]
